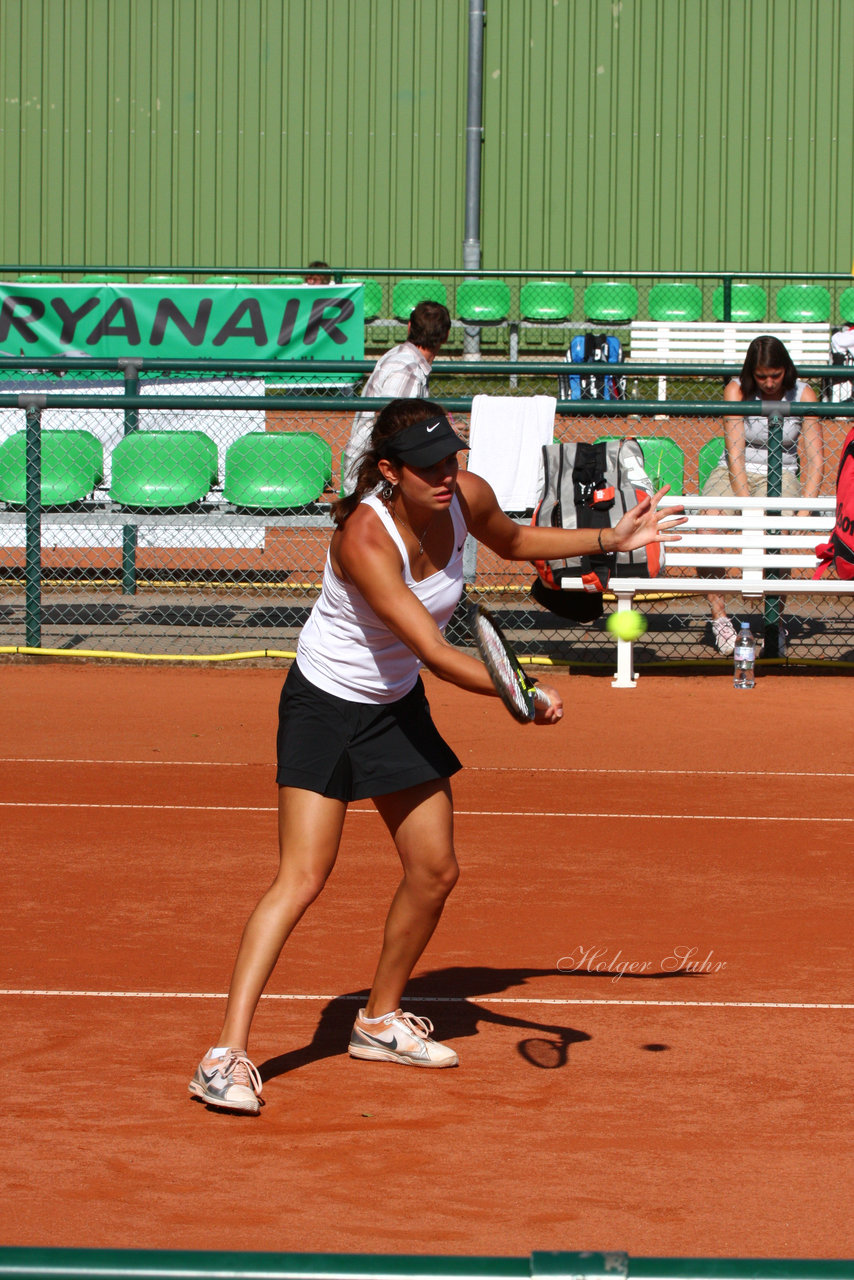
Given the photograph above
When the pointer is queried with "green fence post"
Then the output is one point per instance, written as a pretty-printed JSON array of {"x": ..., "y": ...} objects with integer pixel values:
[
  {"x": 727, "y": 298},
  {"x": 130, "y": 367},
  {"x": 774, "y": 644},
  {"x": 33, "y": 406}
]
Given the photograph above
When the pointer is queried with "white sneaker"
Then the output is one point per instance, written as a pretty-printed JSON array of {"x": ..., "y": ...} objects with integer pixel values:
[
  {"x": 229, "y": 1080},
  {"x": 399, "y": 1037},
  {"x": 725, "y": 635}
]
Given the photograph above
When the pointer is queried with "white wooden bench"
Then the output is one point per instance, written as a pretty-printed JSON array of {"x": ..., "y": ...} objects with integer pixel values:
[
  {"x": 697, "y": 342},
  {"x": 754, "y": 540}
]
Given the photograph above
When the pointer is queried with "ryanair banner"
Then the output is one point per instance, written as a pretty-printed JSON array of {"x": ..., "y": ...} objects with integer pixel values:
[{"x": 173, "y": 322}]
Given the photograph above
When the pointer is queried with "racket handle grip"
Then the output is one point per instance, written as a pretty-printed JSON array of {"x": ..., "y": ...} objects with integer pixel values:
[{"x": 541, "y": 699}]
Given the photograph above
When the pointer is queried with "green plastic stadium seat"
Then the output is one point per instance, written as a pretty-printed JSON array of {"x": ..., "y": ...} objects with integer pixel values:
[
  {"x": 102, "y": 277},
  {"x": 373, "y": 300},
  {"x": 665, "y": 462},
  {"x": 663, "y": 459},
  {"x": 229, "y": 280},
  {"x": 610, "y": 302},
  {"x": 483, "y": 302},
  {"x": 161, "y": 469},
  {"x": 72, "y": 464},
  {"x": 408, "y": 293},
  {"x": 204, "y": 443},
  {"x": 749, "y": 303},
  {"x": 84, "y": 443},
  {"x": 846, "y": 306},
  {"x": 166, "y": 279},
  {"x": 272, "y": 470},
  {"x": 283, "y": 280},
  {"x": 39, "y": 277},
  {"x": 803, "y": 304},
  {"x": 674, "y": 302},
  {"x": 708, "y": 458},
  {"x": 546, "y": 302},
  {"x": 210, "y": 445}
]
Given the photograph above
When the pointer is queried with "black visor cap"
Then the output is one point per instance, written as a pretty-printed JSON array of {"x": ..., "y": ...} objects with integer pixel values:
[{"x": 423, "y": 443}]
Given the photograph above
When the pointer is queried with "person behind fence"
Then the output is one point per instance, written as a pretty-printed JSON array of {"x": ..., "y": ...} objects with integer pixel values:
[
  {"x": 404, "y": 371},
  {"x": 768, "y": 373},
  {"x": 354, "y": 722},
  {"x": 318, "y": 273}
]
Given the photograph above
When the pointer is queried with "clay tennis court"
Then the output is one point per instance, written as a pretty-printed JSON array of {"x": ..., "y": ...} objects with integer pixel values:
[{"x": 685, "y": 1092}]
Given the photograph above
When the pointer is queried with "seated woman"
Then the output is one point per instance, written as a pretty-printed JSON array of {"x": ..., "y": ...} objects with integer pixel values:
[{"x": 768, "y": 373}]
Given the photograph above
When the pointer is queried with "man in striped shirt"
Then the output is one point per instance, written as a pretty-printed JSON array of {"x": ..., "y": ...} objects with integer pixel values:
[{"x": 402, "y": 373}]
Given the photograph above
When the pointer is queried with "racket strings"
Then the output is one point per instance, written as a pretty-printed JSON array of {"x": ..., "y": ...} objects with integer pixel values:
[{"x": 503, "y": 668}]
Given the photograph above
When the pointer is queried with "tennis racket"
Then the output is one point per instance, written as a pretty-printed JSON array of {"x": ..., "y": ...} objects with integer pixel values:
[{"x": 519, "y": 694}]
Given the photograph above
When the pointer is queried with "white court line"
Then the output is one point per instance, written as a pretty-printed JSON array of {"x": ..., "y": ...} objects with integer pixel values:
[
  {"x": 459, "y": 813},
  {"x": 179, "y": 764},
  {"x": 470, "y": 768},
  {"x": 473, "y": 1000}
]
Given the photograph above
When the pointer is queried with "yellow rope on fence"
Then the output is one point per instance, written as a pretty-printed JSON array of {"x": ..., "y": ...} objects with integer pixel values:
[{"x": 30, "y": 651}]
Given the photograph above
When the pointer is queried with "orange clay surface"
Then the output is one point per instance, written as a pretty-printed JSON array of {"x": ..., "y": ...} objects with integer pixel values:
[{"x": 685, "y": 1092}]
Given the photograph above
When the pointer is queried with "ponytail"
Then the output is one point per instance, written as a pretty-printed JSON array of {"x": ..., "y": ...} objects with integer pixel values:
[{"x": 368, "y": 480}]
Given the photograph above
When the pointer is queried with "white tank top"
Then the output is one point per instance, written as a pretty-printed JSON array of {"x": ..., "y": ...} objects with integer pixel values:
[
  {"x": 756, "y": 437},
  {"x": 346, "y": 650}
]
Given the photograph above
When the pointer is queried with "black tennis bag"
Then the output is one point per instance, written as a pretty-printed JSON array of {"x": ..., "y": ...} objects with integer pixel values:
[{"x": 591, "y": 486}]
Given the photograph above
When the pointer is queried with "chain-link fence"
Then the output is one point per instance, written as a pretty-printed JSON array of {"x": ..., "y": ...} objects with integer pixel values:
[
  {"x": 515, "y": 314},
  {"x": 186, "y": 511}
]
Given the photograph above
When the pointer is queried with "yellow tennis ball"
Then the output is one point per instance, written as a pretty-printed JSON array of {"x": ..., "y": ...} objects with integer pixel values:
[{"x": 627, "y": 625}]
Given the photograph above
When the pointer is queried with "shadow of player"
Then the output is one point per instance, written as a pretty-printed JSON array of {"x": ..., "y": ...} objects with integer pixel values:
[{"x": 457, "y": 988}]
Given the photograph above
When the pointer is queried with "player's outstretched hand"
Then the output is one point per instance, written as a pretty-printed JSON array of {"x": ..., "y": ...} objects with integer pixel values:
[
  {"x": 551, "y": 713},
  {"x": 645, "y": 524}
]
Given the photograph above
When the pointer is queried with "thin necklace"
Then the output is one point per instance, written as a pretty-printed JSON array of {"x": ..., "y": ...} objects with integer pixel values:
[{"x": 401, "y": 520}]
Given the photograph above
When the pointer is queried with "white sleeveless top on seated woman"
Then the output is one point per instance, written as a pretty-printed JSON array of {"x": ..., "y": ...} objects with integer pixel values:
[
  {"x": 756, "y": 437},
  {"x": 347, "y": 651}
]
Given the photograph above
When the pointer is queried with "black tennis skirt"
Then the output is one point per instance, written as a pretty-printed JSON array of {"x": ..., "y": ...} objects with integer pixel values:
[{"x": 354, "y": 750}]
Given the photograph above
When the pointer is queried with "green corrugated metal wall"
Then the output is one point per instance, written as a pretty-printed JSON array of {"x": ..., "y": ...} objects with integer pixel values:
[
  {"x": 660, "y": 134},
  {"x": 618, "y": 134}
]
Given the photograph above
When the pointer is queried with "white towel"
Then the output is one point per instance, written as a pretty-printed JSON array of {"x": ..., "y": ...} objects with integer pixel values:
[{"x": 506, "y": 441}]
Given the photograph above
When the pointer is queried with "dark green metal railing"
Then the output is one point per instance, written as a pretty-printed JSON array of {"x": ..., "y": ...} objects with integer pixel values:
[
  {"x": 8, "y": 270},
  {"x": 129, "y": 1264}
]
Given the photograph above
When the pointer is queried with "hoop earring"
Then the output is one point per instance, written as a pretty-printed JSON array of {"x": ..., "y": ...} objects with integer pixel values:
[{"x": 387, "y": 491}]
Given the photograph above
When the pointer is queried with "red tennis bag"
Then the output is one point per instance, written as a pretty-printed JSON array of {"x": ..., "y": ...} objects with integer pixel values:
[{"x": 838, "y": 551}]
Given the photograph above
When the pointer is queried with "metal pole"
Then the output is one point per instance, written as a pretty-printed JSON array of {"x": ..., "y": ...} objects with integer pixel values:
[
  {"x": 474, "y": 144},
  {"x": 33, "y": 406},
  {"x": 130, "y": 368},
  {"x": 775, "y": 643}
]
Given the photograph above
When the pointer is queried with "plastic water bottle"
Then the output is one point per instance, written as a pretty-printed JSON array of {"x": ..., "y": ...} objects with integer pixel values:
[{"x": 745, "y": 658}]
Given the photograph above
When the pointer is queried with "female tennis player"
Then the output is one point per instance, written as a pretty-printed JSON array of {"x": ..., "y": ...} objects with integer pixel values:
[{"x": 354, "y": 720}]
